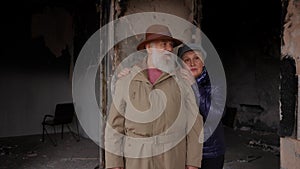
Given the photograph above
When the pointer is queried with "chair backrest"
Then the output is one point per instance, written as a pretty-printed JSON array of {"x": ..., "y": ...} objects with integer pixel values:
[{"x": 64, "y": 113}]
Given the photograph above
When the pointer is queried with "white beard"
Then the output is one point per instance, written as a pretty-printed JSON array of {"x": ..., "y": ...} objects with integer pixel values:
[{"x": 165, "y": 61}]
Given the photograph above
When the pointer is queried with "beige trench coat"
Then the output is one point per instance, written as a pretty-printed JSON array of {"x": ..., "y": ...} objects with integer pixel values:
[{"x": 153, "y": 129}]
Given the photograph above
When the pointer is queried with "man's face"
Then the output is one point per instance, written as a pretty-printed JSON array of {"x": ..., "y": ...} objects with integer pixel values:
[
  {"x": 160, "y": 52},
  {"x": 162, "y": 45},
  {"x": 194, "y": 61}
]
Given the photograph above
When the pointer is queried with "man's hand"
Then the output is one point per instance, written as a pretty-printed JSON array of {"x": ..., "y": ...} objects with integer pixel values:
[
  {"x": 190, "y": 167},
  {"x": 124, "y": 72}
]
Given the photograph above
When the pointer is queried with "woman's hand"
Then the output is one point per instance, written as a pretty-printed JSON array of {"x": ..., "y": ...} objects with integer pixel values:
[
  {"x": 187, "y": 75},
  {"x": 124, "y": 72},
  {"x": 190, "y": 167}
]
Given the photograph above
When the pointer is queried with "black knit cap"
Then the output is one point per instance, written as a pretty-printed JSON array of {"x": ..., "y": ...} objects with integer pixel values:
[{"x": 191, "y": 47}]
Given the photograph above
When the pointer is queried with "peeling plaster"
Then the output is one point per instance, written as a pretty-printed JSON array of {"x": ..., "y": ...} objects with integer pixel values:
[
  {"x": 176, "y": 7},
  {"x": 291, "y": 40},
  {"x": 289, "y": 155},
  {"x": 56, "y": 26},
  {"x": 183, "y": 9},
  {"x": 290, "y": 147},
  {"x": 291, "y": 33}
]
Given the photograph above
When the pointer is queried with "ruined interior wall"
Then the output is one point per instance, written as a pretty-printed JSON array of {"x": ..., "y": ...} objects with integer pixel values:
[
  {"x": 34, "y": 71},
  {"x": 253, "y": 85},
  {"x": 291, "y": 34},
  {"x": 250, "y": 70},
  {"x": 180, "y": 8},
  {"x": 26, "y": 96},
  {"x": 55, "y": 25},
  {"x": 289, "y": 149},
  {"x": 289, "y": 153},
  {"x": 291, "y": 39},
  {"x": 249, "y": 45}
]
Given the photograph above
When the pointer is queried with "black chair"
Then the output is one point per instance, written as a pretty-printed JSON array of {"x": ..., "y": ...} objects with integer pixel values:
[{"x": 64, "y": 114}]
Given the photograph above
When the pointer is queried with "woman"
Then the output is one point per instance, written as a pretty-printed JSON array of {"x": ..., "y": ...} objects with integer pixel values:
[{"x": 214, "y": 148}]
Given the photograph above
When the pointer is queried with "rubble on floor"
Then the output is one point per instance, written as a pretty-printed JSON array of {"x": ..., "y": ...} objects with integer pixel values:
[{"x": 244, "y": 150}]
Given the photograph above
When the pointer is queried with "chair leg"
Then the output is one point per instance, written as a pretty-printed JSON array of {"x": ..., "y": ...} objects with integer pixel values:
[
  {"x": 54, "y": 133},
  {"x": 53, "y": 141},
  {"x": 76, "y": 138},
  {"x": 54, "y": 130},
  {"x": 43, "y": 137},
  {"x": 62, "y": 131}
]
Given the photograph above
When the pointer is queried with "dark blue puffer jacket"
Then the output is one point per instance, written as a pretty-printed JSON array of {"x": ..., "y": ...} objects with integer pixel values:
[{"x": 214, "y": 145}]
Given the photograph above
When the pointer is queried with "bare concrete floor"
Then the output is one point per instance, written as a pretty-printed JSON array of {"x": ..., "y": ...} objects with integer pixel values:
[
  {"x": 245, "y": 150},
  {"x": 29, "y": 152},
  {"x": 251, "y": 150}
]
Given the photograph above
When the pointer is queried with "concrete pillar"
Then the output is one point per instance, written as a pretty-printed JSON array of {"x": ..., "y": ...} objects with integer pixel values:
[{"x": 290, "y": 146}]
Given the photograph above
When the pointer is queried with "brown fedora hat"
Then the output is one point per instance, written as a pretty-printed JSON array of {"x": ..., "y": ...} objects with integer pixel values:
[{"x": 158, "y": 32}]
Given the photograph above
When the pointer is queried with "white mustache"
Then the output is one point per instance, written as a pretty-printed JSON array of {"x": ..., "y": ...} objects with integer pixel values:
[
  {"x": 163, "y": 55},
  {"x": 164, "y": 61}
]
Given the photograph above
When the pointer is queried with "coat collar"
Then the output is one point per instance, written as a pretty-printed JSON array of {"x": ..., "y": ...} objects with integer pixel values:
[
  {"x": 141, "y": 74},
  {"x": 203, "y": 79}
]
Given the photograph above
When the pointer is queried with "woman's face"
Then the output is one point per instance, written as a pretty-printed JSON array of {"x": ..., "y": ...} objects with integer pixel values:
[{"x": 193, "y": 59}]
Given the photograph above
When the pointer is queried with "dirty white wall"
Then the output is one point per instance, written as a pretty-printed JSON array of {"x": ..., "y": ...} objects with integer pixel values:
[
  {"x": 290, "y": 146},
  {"x": 26, "y": 96}
]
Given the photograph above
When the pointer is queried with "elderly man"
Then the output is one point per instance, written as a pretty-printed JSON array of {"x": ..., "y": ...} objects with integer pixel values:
[{"x": 154, "y": 121}]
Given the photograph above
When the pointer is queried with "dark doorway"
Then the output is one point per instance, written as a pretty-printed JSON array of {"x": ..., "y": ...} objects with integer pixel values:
[{"x": 246, "y": 35}]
